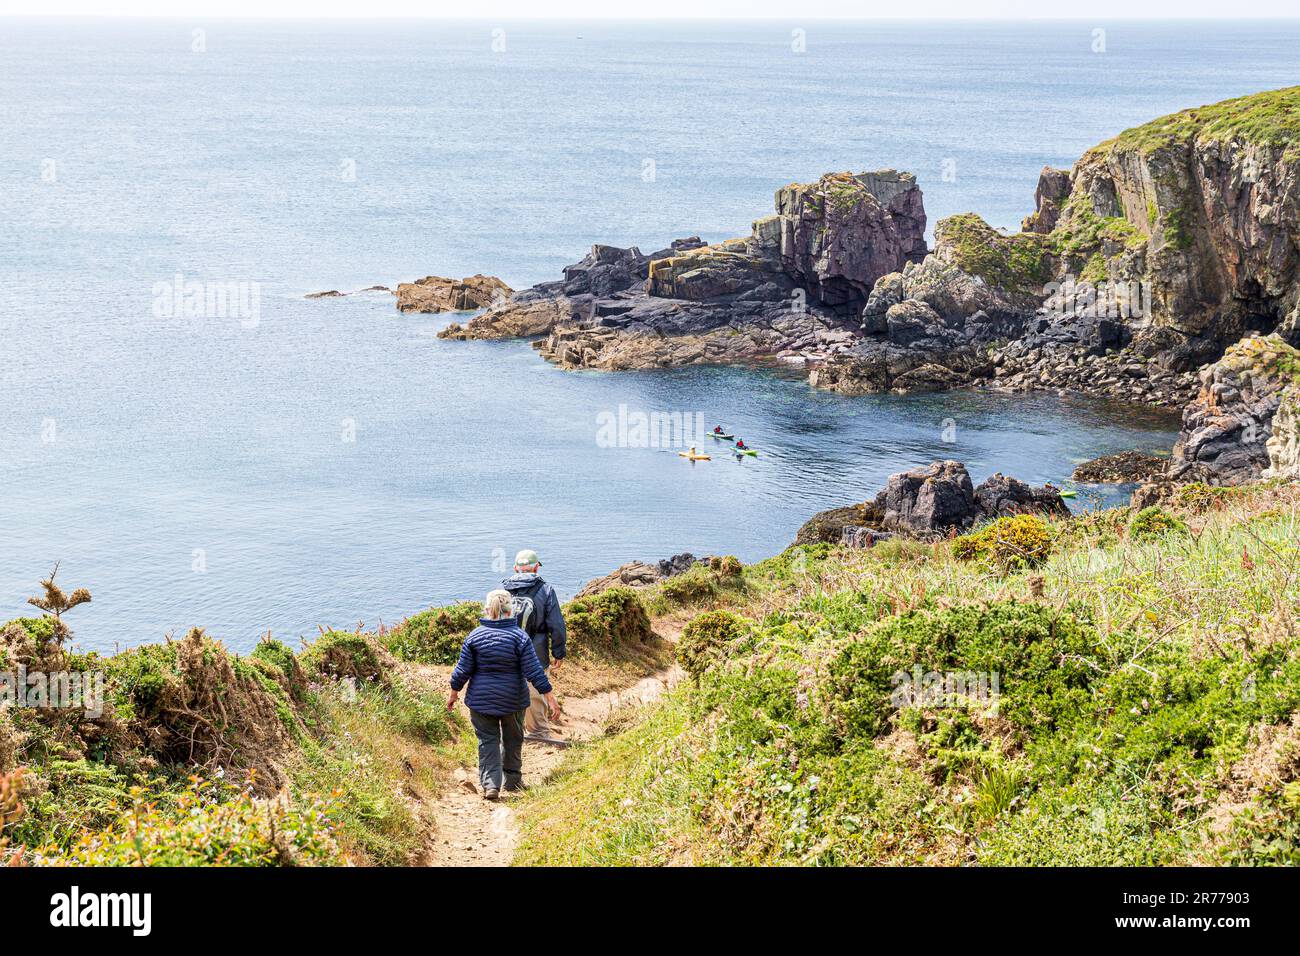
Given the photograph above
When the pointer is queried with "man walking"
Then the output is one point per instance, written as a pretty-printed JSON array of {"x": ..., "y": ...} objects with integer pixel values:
[{"x": 538, "y": 611}]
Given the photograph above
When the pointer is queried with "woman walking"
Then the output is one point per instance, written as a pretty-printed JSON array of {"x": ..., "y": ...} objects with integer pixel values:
[{"x": 498, "y": 661}]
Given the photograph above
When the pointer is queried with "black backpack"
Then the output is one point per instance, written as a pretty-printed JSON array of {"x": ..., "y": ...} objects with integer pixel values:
[{"x": 526, "y": 611}]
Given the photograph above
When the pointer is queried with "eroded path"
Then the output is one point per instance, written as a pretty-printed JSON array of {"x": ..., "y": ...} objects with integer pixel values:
[{"x": 470, "y": 831}]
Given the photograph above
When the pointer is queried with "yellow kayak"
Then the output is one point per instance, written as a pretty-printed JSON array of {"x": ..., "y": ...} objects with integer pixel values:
[{"x": 687, "y": 454}]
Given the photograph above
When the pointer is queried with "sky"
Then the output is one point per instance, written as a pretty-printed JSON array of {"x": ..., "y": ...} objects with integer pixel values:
[{"x": 792, "y": 10}]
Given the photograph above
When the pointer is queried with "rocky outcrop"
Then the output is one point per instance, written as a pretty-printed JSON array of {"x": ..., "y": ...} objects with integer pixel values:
[
  {"x": 834, "y": 524},
  {"x": 639, "y": 574},
  {"x": 792, "y": 289},
  {"x": 440, "y": 294},
  {"x": 1139, "y": 267},
  {"x": 1049, "y": 198},
  {"x": 923, "y": 500},
  {"x": 837, "y": 236},
  {"x": 1227, "y": 429},
  {"x": 931, "y": 501},
  {"x": 1283, "y": 444},
  {"x": 999, "y": 496}
]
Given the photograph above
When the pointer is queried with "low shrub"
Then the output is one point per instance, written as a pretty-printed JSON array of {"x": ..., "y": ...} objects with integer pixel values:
[
  {"x": 706, "y": 639},
  {"x": 341, "y": 654},
  {"x": 1039, "y": 656},
  {"x": 1009, "y": 544},
  {"x": 191, "y": 702},
  {"x": 604, "y": 623},
  {"x": 203, "y": 830},
  {"x": 1154, "y": 522},
  {"x": 693, "y": 586},
  {"x": 1199, "y": 497},
  {"x": 281, "y": 664},
  {"x": 433, "y": 636}
]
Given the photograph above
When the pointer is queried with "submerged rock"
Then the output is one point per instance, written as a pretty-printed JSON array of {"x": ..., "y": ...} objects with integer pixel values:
[{"x": 1121, "y": 468}]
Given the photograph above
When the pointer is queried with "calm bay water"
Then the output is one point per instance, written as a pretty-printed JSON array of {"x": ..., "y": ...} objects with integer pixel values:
[{"x": 203, "y": 471}]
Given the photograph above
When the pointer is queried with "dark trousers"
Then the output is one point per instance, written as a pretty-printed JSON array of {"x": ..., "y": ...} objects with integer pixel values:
[{"x": 500, "y": 749}]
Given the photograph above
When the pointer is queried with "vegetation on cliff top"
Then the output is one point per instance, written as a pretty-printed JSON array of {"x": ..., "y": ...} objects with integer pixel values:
[
  {"x": 1271, "y": 118},
  {"x": 1146, "y": 708}
]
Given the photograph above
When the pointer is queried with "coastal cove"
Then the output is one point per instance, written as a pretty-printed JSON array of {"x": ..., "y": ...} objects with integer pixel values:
[
  {"x": 407, "y": 472},
  {"x": 329, "y": 462}
]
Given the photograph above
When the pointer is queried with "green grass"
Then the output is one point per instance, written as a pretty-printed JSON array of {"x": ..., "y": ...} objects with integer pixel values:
[
  {"x": 1271, "y": 118},
  {"x": 1138, "y": 675}
]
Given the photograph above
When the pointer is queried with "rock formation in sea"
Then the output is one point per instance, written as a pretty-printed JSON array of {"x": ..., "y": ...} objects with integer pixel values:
[
  {"x": 932, "y": 501},
  {"x": 793, "y": 288},
  {"x": 440, "y": 294}
]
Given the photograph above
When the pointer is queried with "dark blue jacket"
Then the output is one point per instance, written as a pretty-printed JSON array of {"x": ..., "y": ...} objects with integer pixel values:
[
  {"x": 495, "y": 659},
  {"x": 546, "y": 625}
]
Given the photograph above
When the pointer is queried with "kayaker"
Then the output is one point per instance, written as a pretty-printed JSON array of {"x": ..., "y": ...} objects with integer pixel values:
[
  {"x": 740, "y": 443},
  {"x": 717, "y": 429}
]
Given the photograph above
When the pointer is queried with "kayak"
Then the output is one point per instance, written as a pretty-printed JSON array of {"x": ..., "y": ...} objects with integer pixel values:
[
  {"x": 746, "y": 451},
  {"x": 719, "y": 435},
  {"x": 687, "y": 454},
  {"x": 1069, "y": 494}
]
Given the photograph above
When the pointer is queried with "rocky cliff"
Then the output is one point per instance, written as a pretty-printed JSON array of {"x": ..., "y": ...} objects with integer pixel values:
[
  {"x": 793, "y": 288},
  {"x": 1138, "y": 270}
]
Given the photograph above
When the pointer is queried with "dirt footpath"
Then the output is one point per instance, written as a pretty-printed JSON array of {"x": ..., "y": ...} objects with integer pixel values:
[{"x": 471, "y": 831}]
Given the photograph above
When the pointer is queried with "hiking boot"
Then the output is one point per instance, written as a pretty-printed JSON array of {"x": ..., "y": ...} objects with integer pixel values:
[
  {"x": 491, "y": 793},
  {"x": 515, "y": 788}
]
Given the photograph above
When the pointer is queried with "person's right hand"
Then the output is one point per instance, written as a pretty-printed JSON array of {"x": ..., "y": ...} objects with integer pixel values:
[{"x": 553, "y": 706}]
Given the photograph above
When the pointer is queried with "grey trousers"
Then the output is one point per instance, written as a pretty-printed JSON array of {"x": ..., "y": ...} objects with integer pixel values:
[
  {"x": 536, "y": 719},
  {"x": 500, "y": 749}
]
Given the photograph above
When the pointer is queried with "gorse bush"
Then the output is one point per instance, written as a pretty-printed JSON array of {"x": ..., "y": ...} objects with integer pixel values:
[
  {"x": 191, "y": 702},
  {"x": 605, "y": 623},
  {"x": 704, "y": 582},
  {"x": 281, "y": 664},
  {"x": 1008, "y": 544},
  {"x": 707, "y": 639},
  {"x": 341, "y": 654},
  {"x": 434, "y": 636},
  {"x": 1042, "y": 659},
  {"x": 1154, "y": 522}
]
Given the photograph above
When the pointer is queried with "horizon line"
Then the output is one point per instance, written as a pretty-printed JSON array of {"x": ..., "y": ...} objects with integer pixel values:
[{"x": 995, "y": 18}]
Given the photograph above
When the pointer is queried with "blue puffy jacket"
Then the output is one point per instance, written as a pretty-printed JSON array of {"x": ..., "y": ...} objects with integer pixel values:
[
  {"x": 546, "y": 624},
  {"x": 496, "y": 659}
]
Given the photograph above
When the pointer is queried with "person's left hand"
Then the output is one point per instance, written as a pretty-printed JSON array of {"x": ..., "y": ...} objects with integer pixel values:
[
  {"x": 451, "y": 700},
  {"x": 556, "y": 662}
]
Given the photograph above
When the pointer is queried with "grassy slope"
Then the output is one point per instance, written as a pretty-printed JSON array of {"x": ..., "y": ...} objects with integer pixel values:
[
  {"x": 1149, "y": 687},
  {"x": 332, "y": 755}
]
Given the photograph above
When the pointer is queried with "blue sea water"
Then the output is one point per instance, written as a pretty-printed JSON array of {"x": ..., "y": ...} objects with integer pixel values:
[{"x": 333, "y": 462}]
